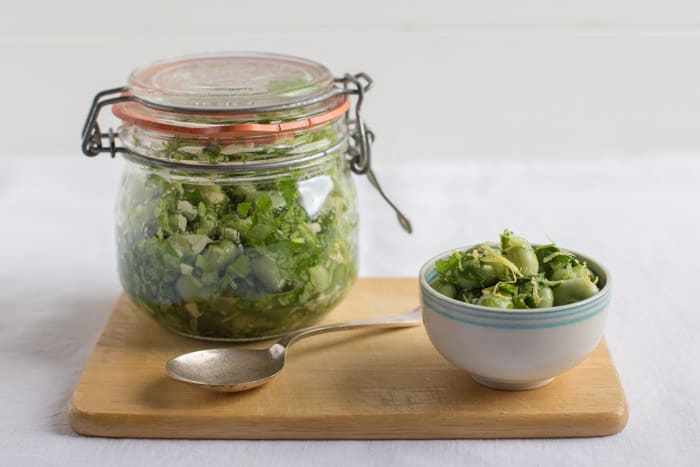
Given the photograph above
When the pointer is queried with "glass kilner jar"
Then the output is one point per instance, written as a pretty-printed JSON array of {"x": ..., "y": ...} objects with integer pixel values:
[{"x": 237, "y": 215}]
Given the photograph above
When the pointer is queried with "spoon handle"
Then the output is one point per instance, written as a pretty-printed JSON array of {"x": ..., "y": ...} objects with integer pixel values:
[{"x": 404, "y": 320}]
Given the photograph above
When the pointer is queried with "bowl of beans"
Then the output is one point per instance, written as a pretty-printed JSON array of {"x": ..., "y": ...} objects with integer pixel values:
[{"x": 512, "y": 314}]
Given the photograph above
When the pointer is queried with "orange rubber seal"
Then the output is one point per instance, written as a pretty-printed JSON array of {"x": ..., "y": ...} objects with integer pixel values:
[{"x": 132, "y": 112}]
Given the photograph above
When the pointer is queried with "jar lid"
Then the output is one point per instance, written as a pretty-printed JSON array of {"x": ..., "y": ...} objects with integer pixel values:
[
  {"x": 231, "y": 94},
  {"x": 230, "y": 82}
]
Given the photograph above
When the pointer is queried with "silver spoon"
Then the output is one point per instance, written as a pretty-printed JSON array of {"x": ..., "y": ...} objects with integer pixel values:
[{"x": 236, "y": 369}]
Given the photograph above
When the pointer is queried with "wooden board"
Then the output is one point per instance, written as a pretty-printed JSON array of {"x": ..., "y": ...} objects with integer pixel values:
[{"x": 350, "y": 385}]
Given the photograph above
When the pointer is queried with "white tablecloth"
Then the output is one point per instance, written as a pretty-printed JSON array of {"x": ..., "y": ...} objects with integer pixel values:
[{"x": 641, "y": 218}]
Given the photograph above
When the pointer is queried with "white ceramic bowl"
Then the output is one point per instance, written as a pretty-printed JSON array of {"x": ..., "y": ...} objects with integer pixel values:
[{"x": 513, "y": 349}]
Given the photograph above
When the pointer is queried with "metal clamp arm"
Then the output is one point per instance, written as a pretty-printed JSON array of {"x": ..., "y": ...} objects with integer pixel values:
[{"x": 91, "y": 135}]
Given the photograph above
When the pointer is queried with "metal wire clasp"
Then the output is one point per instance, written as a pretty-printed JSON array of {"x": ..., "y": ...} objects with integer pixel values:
[
  {"x": 359, "y": 151},
  {"x": 91, "y": 134}
]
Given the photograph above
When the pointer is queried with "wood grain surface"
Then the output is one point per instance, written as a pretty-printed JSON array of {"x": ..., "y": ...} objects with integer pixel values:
[{"x": 351, "y": 385}]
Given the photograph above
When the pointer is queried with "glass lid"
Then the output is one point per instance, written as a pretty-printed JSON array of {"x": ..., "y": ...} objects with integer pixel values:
[{"x": 231, "y": 81}]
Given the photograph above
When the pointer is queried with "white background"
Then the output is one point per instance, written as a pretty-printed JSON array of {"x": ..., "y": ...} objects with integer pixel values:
[
  {"x": 454, "y": 79},
  {"x": 574, "y": 119}
]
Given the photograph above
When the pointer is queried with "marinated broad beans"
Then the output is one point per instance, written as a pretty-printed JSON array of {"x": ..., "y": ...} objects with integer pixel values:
[{"x": 515, "y": 275}]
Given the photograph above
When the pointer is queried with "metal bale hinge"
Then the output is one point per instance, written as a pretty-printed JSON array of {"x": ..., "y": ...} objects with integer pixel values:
[
  {"x": 91, "y": 135},
  {"x": 359, "y": 152}
]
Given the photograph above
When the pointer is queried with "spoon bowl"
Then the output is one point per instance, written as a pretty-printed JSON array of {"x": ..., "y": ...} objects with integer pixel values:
[
  {"x": 228, "y": 370},
  {"x": 238, "y": 369}
]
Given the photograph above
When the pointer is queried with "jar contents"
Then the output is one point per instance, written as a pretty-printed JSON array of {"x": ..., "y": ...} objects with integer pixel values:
[{"x": 231, "y": 258}]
